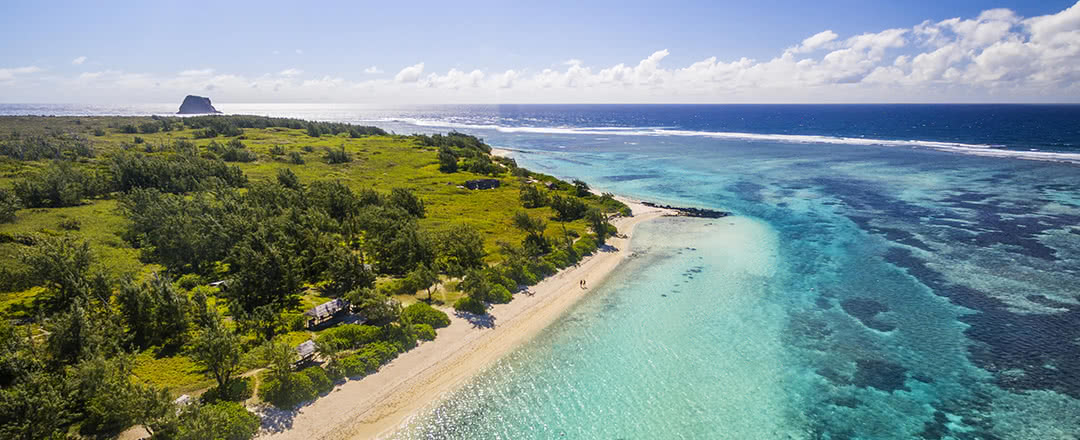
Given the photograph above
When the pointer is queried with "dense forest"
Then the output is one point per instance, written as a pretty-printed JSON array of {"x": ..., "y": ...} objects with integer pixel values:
[{"x": 156, "y": 271}]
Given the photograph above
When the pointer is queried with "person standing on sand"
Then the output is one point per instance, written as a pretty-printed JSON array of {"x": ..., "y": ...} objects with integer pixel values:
[{"x": 582, "y": 284}]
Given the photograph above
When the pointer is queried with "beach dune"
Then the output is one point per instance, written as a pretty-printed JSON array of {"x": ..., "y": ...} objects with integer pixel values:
[{"x": 377, "y": 405}]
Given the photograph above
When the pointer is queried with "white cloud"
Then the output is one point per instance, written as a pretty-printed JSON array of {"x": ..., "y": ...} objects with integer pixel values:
[
  {"x": 816, "y": 41},
  {"x": 79, "y": 60},
  {"x": 410, "y": 74},
  {"x": 994, "y": 56},
  {"x": 299, "y": 51},
  {"x": 197, "y": 72},
  {"x": 9, "y": 74}
]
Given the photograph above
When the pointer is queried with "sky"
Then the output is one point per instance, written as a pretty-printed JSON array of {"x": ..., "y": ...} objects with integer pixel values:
[{"x": 418, "y": 52}]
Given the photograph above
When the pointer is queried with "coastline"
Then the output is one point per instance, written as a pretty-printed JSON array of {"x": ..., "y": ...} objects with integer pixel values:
[{"x": 379, "y": 404}]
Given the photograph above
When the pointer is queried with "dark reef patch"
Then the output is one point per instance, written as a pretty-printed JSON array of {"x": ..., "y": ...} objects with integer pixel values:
[
  {"x": 866, "y": 311},
  {"x": 629, "y": 177},
  {"x": 1043, "y": 347},
  {"x": 883, "y": 375}
]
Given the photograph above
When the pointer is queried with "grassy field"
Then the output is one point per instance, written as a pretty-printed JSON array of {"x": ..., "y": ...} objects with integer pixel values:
[{"x": 378, "y": 162}]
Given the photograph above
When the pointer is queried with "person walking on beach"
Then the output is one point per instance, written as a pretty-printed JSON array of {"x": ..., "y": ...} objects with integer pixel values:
[{"x": 582, "y": 284}]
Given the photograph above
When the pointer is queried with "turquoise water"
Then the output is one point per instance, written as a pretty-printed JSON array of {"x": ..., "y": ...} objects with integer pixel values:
[
  {"x": 862, "y": 292},
  {"x": 892, "y": 272}
]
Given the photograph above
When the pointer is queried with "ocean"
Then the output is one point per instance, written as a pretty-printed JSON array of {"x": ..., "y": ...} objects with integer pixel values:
[{"x": 890, "y": 271}]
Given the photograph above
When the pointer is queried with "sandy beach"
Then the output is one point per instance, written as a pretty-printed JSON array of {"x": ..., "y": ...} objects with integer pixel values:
[{"x": 377, "y": 405}]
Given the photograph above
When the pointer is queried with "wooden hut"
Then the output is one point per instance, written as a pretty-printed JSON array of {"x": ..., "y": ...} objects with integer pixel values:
[
  {"x": 325, "y": 311},
  {"x": 305, "y": 352}
]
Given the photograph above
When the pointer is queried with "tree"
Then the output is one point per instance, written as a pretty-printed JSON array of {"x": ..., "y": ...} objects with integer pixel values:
[
  {"x": 581, "y": 189},
  {"x": 8, "y": 205},
  {"x": 459, "y": 249},
  {"x": 63, "y": 266},
  {"x": 106, "y": 395},
  {"x": 599, "y": 224},
  {"x": 288, "y": 179},
  {"x": 531, "y": 197},
  {"x": 347, "y": 272},
  {"x": 156, "y": 312},
  {"x": 448, "y": 161},
  {"x": 264, "y": 270},
  {"x": 378, "y": 308},
  {"x": 423, "y": 277},
  {"x": 568, "y": 208},
  {"x": 405, "y": 199},
  {"x": 220, "y": 420},
  {"x": 534, "y": 242},
  {"x": 218, "y": 350}
]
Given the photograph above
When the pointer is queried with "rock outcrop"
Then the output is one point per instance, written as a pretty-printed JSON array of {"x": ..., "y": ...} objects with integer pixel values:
[{"x": 196, "y": 105}]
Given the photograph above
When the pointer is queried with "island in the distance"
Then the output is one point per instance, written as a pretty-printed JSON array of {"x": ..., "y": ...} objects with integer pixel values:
[{"x": 196, "y": 105}]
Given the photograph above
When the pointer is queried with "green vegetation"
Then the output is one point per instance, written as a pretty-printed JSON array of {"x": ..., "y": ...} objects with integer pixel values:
[{"x": 111, "y": 230}]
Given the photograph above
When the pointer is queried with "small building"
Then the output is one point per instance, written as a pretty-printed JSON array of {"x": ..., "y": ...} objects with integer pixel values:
[
  {"x": 482, "y": 183},
  {"x": 323, "y": 312},
  {"x": 305, "y": 352}
]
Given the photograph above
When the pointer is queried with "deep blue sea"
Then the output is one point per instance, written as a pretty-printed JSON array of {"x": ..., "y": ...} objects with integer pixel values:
[{"x": 891, "y": 271}]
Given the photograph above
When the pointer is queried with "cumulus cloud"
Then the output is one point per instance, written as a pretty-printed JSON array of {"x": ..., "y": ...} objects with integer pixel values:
[
  {"x": 79, "y": 60},
  {"x": 410, "y": 74},
  {"x": 816, "y": 41},
  {"x": 996, "y": 55},
  {"x": 373, "y": 70}
]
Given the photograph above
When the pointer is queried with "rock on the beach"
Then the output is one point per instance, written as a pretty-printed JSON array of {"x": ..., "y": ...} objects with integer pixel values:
[{"x": 196, "y": 105}]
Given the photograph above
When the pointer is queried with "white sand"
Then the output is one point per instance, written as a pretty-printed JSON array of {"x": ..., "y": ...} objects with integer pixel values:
[{"x": 377, "y": 405}]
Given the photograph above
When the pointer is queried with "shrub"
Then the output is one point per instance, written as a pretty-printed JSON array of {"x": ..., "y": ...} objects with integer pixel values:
[
  {"x": 337, "y": 156},
  {"x": 295, "y": 158},
  {"x": 585, "y": 246},
  {"x": 139, "y": 140},
  {"x": 498, "y": 294},
  {"x": 99, "y": 132},
  {"x": 350, "y": 336},
  {"x": 190, "y": 281},
  {"x": 447, "y": 160},
  {"x": 319, "y": 379},
  {"x": 297, "y": 389},
  {"x": 238, "y": 390},
  {"x": 421, "y": 313},
  {"x": 470, "y": 305},
  {"x": 221, "y": 420},
  {"x": 149, "y": 127},
  {"x": 70, "y": 224},
  {"x": 354, "y": 366},
  {"x": 308, "y": 149},
  {"x": 424, "y": 332},
  {"x": 129, "y": 129},
  {"x": 277, "y": 150}
]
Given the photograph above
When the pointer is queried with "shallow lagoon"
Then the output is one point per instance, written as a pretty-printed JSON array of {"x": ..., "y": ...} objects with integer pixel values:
[{"x": 894, "y": 293}]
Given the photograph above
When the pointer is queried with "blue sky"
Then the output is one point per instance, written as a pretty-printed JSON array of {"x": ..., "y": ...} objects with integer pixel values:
[{"x": 266, "y": 51}]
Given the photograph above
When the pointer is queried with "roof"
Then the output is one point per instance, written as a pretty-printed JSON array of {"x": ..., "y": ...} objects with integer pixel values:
[
  {"x": 306, "y": 349},
  {"x": 327, "y": 308}
]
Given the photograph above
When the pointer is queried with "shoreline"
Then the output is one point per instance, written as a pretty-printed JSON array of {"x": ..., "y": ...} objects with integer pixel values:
[{"x": 380, "y": 404}]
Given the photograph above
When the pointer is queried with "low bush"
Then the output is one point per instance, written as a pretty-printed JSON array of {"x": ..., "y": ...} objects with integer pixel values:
[
  {"x": 498, "y": 294},
  {"x": 424, "y": 332},
  {"x": 297, "y": 389},
  {"x": 238, "y": 390},
  {"x": 470, "y": 305},
  {"x": 319, "y": 378},
  {"x": 350, "y": 336},
  {"x": 295, "y": 158},
  {"x": 421, "y": 313}
]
